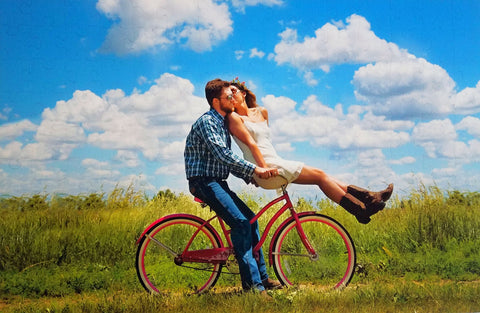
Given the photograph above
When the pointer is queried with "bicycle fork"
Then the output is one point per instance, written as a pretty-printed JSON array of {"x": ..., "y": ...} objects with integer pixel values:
[{"x": 311, "y": 251}]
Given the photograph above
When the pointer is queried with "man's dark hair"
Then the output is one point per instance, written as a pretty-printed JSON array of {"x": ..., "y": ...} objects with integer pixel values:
[{"x": 214, "y": 88}]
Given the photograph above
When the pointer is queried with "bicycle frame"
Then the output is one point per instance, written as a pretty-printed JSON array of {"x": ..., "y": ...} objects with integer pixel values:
[{"x": 221, "y": 254}]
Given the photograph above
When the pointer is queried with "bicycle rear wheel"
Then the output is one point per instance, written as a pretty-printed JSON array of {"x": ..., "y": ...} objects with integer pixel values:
[
  {"x": 333, "y": 263},
  {"x": 155, "y": 259}
]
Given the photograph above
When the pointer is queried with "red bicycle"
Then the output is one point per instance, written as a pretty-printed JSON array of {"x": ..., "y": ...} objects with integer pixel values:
[{"x": 181, "y": 251}]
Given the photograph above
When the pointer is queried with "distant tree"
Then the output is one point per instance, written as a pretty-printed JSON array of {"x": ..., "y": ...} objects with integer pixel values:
[{"x": 166, "y": 194}]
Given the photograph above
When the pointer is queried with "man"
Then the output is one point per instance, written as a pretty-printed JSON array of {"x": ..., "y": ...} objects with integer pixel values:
[{"x": 208, "y": 161}]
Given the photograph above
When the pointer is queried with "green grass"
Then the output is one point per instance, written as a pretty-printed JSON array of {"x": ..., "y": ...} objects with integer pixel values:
[{"x": 76, "y": 254}]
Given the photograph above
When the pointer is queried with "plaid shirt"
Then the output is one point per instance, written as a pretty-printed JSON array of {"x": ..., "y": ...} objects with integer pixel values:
[{"x": 208, "y": 150}]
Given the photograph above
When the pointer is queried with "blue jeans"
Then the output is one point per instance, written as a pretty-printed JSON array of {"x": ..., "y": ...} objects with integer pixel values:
[{"x": 237, "y": 215}]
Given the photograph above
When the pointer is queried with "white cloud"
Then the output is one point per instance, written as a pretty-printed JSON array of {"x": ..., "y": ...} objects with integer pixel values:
[
  {"x": 58, "y": 131},
  {"x": 39, "y": 152},
  {"x": 9, "y": 154},
  {"x": 403, "y": 161},
  {"x": 240, "y": 5},
  {"x": 97, "y": 173},
  {"x": 100, "y": 169},
  {"x": 139, "y": 181},
  {"x": 239, "y": 54},
  {"x": 14, "y": 130},
  {"x": 323, "y": 126},
  {"x": 153, "y": 123},
  {"x": 278, "y": 106},
  {"x": 173, "y": 169},
  {"x": 94, "y": 163},
  {"x": 471, "y": 125},
  {"x": 140, "y": 121},
  {"x": 467, "y": 101},
  {"x": 405, "y": 88},
  {"x": 309, "y": 78},
  {"x": 439, "y": 139},
  {"x": 394, "y": 83},
  {"x": 5, "y": 112},
  {"x": 285, "y": 146},
  {"x": 171, "y": 99},
  {"x": 436, "y": 130},
  {"x": 140, "y": 25},
  {"x": 335, "y": 44},
  {"x": 142, "y": 80},
  {"x": 84, "y": 107},
  {"x": 255, "y": 53},
  {"x": 128, "y": 158}
]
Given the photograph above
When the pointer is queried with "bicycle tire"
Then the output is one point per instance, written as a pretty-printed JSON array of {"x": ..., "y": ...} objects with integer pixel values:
[
  {"x": 334, "y": 263},
  {"x": 156, "y": 268}
]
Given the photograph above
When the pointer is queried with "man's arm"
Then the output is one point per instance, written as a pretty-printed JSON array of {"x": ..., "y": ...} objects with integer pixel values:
[{"x": 213, "y": 136}]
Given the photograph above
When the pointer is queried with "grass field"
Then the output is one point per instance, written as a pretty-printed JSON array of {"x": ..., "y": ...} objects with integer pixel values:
[{"x": 76, "y": 254}]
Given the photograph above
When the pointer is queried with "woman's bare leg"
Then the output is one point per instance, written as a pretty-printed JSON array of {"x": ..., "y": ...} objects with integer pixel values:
[
  {"x": 340, "y": 184},
  {"x": 332, "y": 188}
]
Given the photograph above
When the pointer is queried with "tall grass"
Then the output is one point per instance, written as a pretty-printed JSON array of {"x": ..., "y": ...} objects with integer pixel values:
[{"x": 53, "y": 245}]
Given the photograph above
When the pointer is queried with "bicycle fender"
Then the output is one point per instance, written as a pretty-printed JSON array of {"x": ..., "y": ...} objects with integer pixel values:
[
  {"x": 279, "y": 228},
  {"x": 167, "y": 217}
]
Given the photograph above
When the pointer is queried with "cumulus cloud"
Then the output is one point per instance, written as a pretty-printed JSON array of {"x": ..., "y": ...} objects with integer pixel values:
[
  {"x": 335, "y": 44},
  {"x": 405, "y": 88},
  {"x": 172, "y": 169},
  {"x": 393, "y": 82},
  {"x": 153, "y": 123},
  {"x": 467, "y": 101},
  {"x": 13, "y": 130},
  {"x": 240, "y": 5},
  {"x": 440, "y": 140},
  {"x": 471, "y": 125},
  {"x": 309, "y": 78},
  {"x": 10, "y": 152},
  {"x": 58, "y": 131},
  {"x": 128, "y": 158},
  {"x": 255, "y": 53},
  {"x": 239, "y": 54},
  {"x": 331, "y": 127},
  {"x": 403, "y": 161},
  {"x": 84, "y": 107},
  {"x": 140, "y": 25}
]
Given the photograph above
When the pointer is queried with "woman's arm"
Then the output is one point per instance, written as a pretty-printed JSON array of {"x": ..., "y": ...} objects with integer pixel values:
[
  {"x": 264, "y": 113},
  {"x": 238, "y": 129}
]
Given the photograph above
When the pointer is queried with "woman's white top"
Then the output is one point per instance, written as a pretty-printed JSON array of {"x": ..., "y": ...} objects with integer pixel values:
[{"x": 289, "y": 170}]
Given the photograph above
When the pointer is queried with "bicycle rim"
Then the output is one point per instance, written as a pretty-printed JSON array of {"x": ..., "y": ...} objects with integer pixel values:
[
  {"x": 156, "y": 268},
  {"x": 332, "y": 266}
]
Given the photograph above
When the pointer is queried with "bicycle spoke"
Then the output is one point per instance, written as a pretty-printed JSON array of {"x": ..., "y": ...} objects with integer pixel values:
[
  {"x": 157, "y": 265},
  {"x": 173, "y": 253},
  {"x": 332, "y": 265},
  {"x": 292, "y": 254}
]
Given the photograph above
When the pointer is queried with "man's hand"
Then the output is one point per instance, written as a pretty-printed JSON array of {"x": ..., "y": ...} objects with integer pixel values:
[{"x": 266, "y": 173}]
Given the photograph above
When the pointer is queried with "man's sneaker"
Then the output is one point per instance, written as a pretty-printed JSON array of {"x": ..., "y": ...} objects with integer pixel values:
[{"x": 271, "y": 284}]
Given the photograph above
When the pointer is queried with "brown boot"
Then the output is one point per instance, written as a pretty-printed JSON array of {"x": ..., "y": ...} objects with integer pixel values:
[
  {"x": 271, "y": 284},
  {"x": 355, "y": 207},
  {"x": 365, "y": 195},
  {"x": 374, "y": 201}
]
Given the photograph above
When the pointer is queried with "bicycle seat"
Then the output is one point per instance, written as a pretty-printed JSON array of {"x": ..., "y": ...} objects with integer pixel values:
[{"x": 276, "y": 182}]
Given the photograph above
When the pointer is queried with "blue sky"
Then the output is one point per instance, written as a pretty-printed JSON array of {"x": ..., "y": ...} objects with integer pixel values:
[{"x": 95, "y": 94}]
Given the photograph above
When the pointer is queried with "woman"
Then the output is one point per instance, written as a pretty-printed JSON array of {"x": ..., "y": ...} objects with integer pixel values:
[{"x": 249, "y": 126}]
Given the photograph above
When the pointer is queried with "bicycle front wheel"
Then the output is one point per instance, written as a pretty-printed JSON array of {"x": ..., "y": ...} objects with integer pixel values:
[
  {"x": 157, "y": 250},
  {"x": 332, "y": 264}
]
